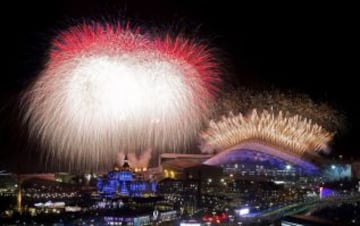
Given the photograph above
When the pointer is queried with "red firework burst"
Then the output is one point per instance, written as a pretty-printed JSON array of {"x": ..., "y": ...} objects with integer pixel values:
[{"x": 132, "y": 87}]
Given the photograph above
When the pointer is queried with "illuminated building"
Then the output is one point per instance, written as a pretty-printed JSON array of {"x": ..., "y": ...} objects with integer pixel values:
[
  {"x": 267, "y": 143},
  {"x": 124, "y": 182},
  {"x": 251, "y": 163}
]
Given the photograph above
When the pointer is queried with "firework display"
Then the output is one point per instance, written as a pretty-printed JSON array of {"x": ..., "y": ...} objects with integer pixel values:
[
  {"x": 137, "y": 159},
  {"x": 107, "y": 88},
  {"x": 243, "y": 100},
  {"x": 294, "y": 134}
]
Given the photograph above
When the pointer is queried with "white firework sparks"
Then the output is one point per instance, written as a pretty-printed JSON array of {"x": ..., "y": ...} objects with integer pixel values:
[
  {"x": 107, "y": 89},
  {"x": 138, "y": 160},
  {"x": 293, "y": 134}
]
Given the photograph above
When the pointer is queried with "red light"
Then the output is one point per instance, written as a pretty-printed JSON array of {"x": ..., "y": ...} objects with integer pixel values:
[{"x": 207, "y": 218}]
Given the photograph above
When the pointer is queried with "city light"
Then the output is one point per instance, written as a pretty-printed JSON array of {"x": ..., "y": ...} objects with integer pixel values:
[
  {"x": 243, "y": 211},
  {"x": 194, "y": 223},
  {"x": 172, "y": 174}
]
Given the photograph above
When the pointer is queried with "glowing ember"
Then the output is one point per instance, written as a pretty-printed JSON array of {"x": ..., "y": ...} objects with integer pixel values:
[{"x": 290, "y": 103}]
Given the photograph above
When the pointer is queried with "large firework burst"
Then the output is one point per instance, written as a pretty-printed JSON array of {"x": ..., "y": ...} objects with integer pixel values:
[
  {"x": 107, "y": 88},
  {"x": 293, "y": 134}
]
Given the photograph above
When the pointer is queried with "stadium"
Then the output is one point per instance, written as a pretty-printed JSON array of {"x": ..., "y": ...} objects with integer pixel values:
[
  {"x": 266, "y": 144},
  {"x": 261, "y": 145}
]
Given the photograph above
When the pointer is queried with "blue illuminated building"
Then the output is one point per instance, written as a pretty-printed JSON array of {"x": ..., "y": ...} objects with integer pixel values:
[
  {"x": 266, "y": 162},
  {"x": 124, "y": 182}
]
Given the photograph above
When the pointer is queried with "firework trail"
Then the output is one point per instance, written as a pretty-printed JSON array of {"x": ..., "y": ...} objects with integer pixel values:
[
  {"x": 107, "y": 88},
  {"x": 120, "y": 160},
  {"x": 135, "y": 159},
  {"x": 244, "y": 100},
  {"x": 292, "y": 134},
  {"x": 140, "y": 161}
]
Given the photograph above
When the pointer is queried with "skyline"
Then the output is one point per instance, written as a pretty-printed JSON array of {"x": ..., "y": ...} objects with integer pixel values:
[{"x": 286, "y": 50}]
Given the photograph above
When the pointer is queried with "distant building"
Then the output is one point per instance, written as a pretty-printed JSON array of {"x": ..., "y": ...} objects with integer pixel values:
[
  {"x": 125, "y": 182},
  {"x": 65, "y": 178},
  {"x": 8, "y": 184},
  {"x": 203, "y": 172},
  {"x": 170, "y": 186},
  {"x": 337, "y": 170}
]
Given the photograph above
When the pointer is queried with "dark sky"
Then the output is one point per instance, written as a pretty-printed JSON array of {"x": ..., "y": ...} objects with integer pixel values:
[{"x": 305, "y": 48}]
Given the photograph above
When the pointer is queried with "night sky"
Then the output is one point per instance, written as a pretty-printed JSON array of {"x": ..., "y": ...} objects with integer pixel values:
[{"x": 304, "y": 48}]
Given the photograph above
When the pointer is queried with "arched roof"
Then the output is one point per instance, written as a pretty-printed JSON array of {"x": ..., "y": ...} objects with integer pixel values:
[{"x": 303, "y": 161}]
